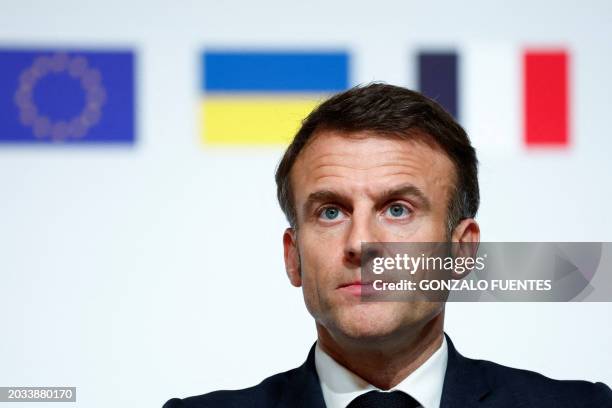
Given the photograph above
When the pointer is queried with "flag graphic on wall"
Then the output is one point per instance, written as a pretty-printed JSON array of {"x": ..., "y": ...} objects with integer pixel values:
[
  {"x": 66, "y": 96},
  {"x": 546, "y": 98},
  {"x": 255, "y": 98},
  {"x": 503, "y": 96},
  {"x": 438, "y": 78}
]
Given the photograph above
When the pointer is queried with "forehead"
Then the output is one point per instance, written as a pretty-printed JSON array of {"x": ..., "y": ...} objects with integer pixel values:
[{"x": 367, "y": 163}]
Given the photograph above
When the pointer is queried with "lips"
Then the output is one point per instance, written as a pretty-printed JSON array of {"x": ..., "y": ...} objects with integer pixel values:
[{"x": 357, "y": 288}]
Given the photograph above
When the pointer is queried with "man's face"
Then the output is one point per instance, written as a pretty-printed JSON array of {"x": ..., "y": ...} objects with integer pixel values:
[{"x": 356, "y": 188}]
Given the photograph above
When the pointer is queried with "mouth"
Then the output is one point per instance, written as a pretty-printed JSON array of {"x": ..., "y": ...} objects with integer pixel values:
[{"x": 357, "y": 288}]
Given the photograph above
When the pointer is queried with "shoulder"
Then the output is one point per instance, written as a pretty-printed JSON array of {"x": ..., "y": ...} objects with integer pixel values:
[
  {"x": 538, "y": 389},
  {"x": 507, "y": 386},
  {"x": 261, "y": 395},
  {"x": 298, "y": 387}
]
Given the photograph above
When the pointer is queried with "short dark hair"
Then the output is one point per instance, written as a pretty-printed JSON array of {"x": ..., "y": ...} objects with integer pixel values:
[{"x": 395, "y": 112}]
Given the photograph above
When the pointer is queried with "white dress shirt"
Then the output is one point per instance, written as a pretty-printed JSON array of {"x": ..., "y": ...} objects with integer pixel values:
[{"x": 340, "y": 386}]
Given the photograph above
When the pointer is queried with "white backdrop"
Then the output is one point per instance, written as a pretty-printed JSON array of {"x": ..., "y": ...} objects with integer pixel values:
[{"x": 138, "y": 274}]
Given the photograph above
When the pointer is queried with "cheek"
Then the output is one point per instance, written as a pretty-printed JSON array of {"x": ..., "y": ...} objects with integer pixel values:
[
  {"x": 321, "y": 265},
  {"x": 321, "y": 249},
  {"x": 434, "y": 230},
  {"x": 317, "y": 264}
]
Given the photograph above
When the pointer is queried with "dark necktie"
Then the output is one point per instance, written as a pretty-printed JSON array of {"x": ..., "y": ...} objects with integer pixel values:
[{"x": 378, "y": 399}]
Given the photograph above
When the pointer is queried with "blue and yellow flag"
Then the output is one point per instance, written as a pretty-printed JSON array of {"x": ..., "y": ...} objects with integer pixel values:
[
  {"x": 74, "y": 96},
  {"x": 257, "y": 98}
]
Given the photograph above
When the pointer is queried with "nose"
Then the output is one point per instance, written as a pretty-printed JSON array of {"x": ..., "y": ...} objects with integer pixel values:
[{"x": 362, "y": 230}]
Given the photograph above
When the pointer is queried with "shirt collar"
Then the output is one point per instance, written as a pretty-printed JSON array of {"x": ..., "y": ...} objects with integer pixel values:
[{"x": 340, "y": 386}]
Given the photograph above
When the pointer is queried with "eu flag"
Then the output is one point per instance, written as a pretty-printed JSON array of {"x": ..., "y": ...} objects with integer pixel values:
[{"x": 66, "y": 96}]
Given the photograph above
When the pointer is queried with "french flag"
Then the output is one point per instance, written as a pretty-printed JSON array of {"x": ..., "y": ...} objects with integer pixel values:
[{"x": 507, "y": 97}]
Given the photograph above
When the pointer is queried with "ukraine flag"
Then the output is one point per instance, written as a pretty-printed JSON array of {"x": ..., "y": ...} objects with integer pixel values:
[{"x": 260, "y": 98}]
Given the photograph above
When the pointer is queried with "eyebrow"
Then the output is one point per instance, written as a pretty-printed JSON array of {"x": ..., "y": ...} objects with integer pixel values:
[
  {"x": 405, "y": 190},
  {"x": 408, "y": 190}
]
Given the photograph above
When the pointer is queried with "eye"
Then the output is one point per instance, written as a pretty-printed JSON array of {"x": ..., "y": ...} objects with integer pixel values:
[
  {"x": 330, "y": 213},
  {"x": 398, "y": 210}
]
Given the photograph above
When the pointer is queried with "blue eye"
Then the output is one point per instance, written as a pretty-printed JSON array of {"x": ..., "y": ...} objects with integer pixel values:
[
  {"x": 331, "y": 213},
  {"x": 398, "y": 210}
]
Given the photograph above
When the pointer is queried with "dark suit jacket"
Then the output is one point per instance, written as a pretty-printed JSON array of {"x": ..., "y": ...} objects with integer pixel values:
[{"x": 467, "y": 383}]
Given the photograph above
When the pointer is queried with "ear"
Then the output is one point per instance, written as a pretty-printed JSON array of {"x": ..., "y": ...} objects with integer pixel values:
[
  {"x": 466, "y": 237},
  {"x": 292, "y": 257}
]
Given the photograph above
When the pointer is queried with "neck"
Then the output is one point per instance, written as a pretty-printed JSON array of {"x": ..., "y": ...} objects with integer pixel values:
[{"x": 385, "y": 363}]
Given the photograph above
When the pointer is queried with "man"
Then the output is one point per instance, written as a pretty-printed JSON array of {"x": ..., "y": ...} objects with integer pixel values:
[{"x": 381, "y": 163}]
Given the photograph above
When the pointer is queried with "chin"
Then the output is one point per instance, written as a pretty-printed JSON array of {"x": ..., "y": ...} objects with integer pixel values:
[
  {"x": 368, "y": 320},
  {"x": 381, "y": 320}
]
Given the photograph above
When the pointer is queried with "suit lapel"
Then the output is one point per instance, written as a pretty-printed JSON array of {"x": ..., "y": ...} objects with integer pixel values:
[
  {"x": 464, "y": 383},
  {"x": 303, "y": 387}
]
